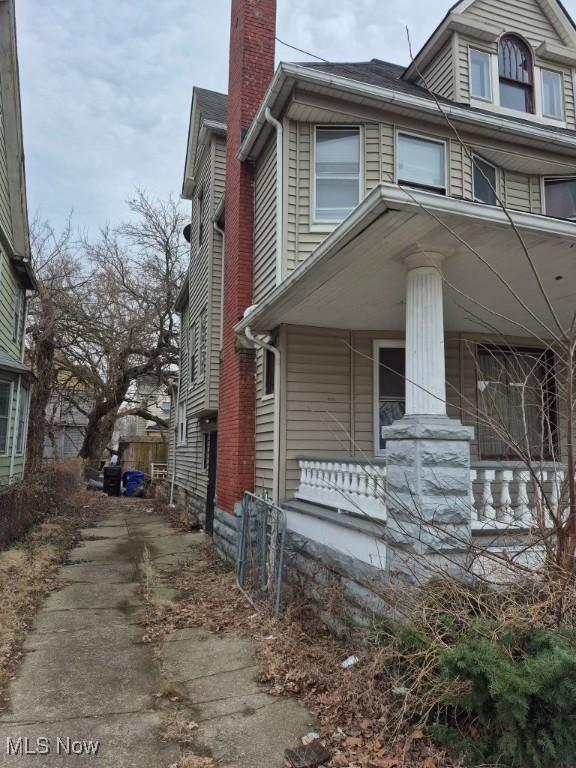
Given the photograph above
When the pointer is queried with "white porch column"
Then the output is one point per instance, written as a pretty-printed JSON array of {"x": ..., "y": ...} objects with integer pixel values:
[{"x": 425, "y": 353}]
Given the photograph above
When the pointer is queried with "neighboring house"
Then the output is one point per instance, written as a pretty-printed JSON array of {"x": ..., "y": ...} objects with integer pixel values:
[
  {"x": 153, "y": 397},
  {"x": 66, "y": 418},
  {"x": 16, "y": 277},
  {"x": 363, "y": 252}
]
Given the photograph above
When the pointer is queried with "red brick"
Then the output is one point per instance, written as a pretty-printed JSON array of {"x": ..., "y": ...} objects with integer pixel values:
[{"x": 252, "y": 34}]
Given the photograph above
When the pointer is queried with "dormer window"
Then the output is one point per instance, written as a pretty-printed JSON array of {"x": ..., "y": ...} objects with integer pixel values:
[
  {"x": 516, "y": 72},
  {"x": 552, "y": 99}
]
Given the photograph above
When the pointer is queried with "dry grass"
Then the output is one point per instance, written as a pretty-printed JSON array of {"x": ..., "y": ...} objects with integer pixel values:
[
  {"x": 300, "y": 657},
  {"x": 28, "y": 573}
]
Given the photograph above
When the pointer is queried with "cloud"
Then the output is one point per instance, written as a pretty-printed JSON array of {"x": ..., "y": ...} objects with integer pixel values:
[{"x": 106, "y": 84}]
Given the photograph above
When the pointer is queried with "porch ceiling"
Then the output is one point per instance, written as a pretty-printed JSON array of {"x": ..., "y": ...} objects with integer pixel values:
[{"x": 356, "y": 278}]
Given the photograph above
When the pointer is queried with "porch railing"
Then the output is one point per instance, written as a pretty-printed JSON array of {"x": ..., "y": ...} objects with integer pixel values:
[
  {"x": 502, "y": 494},
  {"x": 345, "y": 485},
  {"x": 508, "y": 496}
]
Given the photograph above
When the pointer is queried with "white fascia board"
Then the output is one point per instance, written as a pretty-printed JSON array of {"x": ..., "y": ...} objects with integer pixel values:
[
  {"x": 390, "y": 96},
  {"x": 390, "y": 197}
]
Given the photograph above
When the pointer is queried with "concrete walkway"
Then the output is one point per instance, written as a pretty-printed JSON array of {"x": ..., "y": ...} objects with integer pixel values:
[{"x": 87, "y": 675}]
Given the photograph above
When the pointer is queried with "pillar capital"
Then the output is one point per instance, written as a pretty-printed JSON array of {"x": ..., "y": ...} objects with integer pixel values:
[{"x": 422, "y": 258}]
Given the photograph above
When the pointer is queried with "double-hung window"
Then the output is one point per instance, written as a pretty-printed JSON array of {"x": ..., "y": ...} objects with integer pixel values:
[
  {"x": 421, "y": 163},
  {"x": 336, "y": 173},
  {"x": 22, "y": 420},
  {"x": 5, "y": 404},
  {"x": 480, "y": 75},
  {"x": 192, "y": 360},
  {"x": 552, "y": 94},
  {"x": 516, "y": 403},
  {"x": 560, "y": 197},
  {"x": 485, "y": 180}
]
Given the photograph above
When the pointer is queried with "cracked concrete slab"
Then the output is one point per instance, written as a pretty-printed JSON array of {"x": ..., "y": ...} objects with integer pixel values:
[{"x": 87, "y": 674}]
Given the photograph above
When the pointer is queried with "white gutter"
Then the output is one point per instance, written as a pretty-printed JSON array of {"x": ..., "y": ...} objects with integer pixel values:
[
  {"x": 404, "y": 100},
  {"x": 276, "y": 449},
  {"x": 279, "y": 191}
]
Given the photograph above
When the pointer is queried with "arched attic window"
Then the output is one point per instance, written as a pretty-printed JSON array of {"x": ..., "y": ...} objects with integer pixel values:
[{"x": 516, "y": 74}]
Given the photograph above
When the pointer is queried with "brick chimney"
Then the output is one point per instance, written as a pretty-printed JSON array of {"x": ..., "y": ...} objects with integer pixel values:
[{"x": 252, "y": 33}]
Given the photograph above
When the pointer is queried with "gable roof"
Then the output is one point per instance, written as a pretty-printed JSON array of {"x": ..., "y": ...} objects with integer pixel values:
[
  {"x": 208, "y": 112},
  {"x": 212, "y": 105},
  {"x": 455, "y": 21}
]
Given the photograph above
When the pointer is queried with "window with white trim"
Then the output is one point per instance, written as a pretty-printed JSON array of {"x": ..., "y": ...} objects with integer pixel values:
[
  {"x": 516, "y": 70},
  {"x": 552, "y": 98},
  {"x": 480, "y": 75},
  {"x": 421, "y": 163},
  {"x": 336, "y": 172},
  {"x": 22, "y": 420},
  {"x": 203, "y": 342},
  {"x": 5, "y": 404},
  {"x": 192, "y": 361},
  {"x": 389, "y": 386},
  {"x": 181, "y": 424},
  {"x": 484, "y": 180},
  {"x": 560, "y": 197}
]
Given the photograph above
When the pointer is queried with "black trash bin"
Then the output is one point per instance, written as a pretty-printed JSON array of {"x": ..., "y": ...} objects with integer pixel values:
[{"x": 112, "y": 480}]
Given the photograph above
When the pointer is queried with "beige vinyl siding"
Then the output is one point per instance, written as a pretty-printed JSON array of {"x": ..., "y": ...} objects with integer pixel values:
[
  {"x": 317, "y": 395},
  {"x": 5, "y": 210},
  {"x": 265, "y": 223},
  {"x": 438, "y": 77},
  {"x": 525, "y": 17},
  {"x": 8, "y": 287},
  {"x": 519, "y": 191},
  {"x": 372, "y": 156},
  {"x": 264, "y": 447}
]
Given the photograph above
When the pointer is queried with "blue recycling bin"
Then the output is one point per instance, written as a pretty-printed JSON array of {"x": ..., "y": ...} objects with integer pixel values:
[{"x": 133, "y": 479}]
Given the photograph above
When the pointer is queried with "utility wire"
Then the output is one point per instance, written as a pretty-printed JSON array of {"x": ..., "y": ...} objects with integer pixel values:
[{"x": 301, "y": 50}]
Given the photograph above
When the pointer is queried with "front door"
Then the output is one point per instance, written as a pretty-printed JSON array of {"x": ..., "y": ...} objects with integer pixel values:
[
  {"x": 389, "y": 386},
  {"x": 212, "y": 438}
]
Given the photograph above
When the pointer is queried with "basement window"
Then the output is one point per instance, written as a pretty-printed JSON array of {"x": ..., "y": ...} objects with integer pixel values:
[
  {"x": 336, "y": 173},
  {"x": 560, "y": 197},
  {"x": 421, "y": 163}
]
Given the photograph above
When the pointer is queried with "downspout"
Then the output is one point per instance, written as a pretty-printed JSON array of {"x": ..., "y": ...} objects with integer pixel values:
[
  {"x": 176, "y": 415},
  {"x": 279, "y": 190},
  {"x": 276, "y": 450}
]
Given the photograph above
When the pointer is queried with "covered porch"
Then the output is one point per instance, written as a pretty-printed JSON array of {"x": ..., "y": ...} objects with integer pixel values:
[{"x": 381, "y": 326}]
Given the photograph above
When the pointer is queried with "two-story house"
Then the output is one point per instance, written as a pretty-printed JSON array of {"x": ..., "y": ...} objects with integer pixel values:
[
  {"x": 195, "y": 398},
  {"x": 16, "y": 277},
  {"x": 398, "y": 260}
]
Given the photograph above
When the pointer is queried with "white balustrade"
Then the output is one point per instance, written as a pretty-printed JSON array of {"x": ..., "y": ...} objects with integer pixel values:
[
  {"x": 347, "y": 486},
  {"x": 504, "y": 496}
]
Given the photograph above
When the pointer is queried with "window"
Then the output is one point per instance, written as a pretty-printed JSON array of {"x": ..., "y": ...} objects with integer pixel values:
[
  {"x": 560, "y": 197},
  {"x": 480, "y": 75},
  {"x": 516, "y": 392},
  {"x": 22, "y": 420},
  {"x": 516, "y": 74},
  {"x": 389, "y": 386},
  {"x": 192, "y": 352},
  {"x": 337, "y": 173},
  {"x": 484, "y": 182},
  {"x": 181, "y": 424},
  {"x": 200, "y": 208},
  {"x": 202, "y": 342},
  {"x": 422, "y": 163},
  {"x": 552, "y": 101},
  {"x": 269, "y": 372},
  {"x": 5, "y": 401}
]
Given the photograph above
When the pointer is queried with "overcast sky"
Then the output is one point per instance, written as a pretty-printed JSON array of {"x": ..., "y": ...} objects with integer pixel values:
[{"x": 106, "y": 84}]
